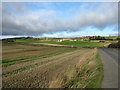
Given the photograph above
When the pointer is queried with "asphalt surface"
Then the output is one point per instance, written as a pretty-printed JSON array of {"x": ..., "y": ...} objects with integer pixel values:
[{"x": 110, "y": 61}]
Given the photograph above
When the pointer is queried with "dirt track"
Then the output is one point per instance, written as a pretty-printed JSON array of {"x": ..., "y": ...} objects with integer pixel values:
[
  {"x": 46, "y": 44},
  {"x": 42, "y": 71}
]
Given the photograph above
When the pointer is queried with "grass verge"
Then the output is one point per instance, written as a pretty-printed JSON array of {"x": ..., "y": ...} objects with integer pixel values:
[{"x": 88, "y": 73}]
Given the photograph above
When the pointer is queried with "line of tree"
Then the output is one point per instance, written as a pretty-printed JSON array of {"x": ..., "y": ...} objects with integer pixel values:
[
  {"x": 101, "y": 38},
  {"x": 96, "y": 38}
]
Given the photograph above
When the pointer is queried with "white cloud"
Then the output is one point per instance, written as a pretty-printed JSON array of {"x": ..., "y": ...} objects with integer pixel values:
[{"x": 47, "y": 21}]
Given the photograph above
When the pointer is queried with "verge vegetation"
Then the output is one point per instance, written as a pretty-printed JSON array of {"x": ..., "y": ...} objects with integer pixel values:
[{"x": 88, "y": 73}]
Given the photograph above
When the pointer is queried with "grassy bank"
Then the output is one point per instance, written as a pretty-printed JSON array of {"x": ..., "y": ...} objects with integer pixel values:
[
  {"x": 69, "y": 43},
  {"x": 88, "y": 73}
]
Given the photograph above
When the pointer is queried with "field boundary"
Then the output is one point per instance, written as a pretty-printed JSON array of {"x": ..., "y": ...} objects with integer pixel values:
[
  {"x": 86, "y": 74},
  {"x": 57, "y": 45}
]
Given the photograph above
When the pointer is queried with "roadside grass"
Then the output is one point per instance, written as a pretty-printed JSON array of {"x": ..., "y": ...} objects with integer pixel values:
[
  {"x": 70, "y": 43},
  {"x": 88, "y": 73},
  {"x": 96, "y": 81}
]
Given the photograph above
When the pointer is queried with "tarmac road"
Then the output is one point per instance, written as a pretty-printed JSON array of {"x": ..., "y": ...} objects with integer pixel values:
[{"x": 110, "y": 61}]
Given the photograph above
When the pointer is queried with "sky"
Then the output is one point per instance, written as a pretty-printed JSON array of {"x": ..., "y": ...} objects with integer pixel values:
[{"x": 59, "y": 19}]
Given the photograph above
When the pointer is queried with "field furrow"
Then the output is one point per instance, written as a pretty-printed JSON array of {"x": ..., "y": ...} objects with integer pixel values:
[
  {"x": 42, "y": 75},
  {"x": 34, "y": 63}
]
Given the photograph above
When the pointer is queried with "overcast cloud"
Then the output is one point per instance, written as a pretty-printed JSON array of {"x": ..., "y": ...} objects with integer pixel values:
[{"x": 17, "y": 19}]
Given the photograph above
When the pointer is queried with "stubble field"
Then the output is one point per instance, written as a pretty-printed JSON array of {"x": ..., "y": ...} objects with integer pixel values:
[{"x": 34, "y": 66}]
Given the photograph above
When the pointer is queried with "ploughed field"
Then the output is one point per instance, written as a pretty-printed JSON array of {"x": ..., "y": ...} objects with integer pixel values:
[{"x": 35, "y": 66}]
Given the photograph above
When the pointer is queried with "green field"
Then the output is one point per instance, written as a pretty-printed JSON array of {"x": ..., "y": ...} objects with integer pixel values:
[
  {"x": 112, "y": 37},
  {"x": 69, "y": 43}
]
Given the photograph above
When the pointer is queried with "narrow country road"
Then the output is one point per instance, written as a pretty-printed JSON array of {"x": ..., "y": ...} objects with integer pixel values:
[{"x": 110, "y": 61}]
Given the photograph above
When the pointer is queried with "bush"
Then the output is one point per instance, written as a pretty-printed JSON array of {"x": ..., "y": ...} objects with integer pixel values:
[{"x": 114, "y": 45}]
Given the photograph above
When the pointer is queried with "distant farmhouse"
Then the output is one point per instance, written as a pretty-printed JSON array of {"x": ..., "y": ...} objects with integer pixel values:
[{"x": 65, "y": 39}]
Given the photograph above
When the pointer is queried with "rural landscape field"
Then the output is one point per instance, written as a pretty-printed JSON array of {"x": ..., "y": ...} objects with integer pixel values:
[
  {"x": 35, "y": 63},
  {"x": 59, "y": 45},
  {"x": 38, "y": 66}
]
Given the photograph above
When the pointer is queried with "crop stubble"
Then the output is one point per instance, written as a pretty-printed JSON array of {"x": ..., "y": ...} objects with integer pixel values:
[{"x": 41, "y": 74}]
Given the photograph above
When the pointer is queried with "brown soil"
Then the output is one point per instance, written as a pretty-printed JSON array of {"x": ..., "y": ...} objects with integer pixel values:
[
  {"x": 41, "y": 75},
  {"x": 19, "y": 65},
  {"x": 12, "y": 52}
]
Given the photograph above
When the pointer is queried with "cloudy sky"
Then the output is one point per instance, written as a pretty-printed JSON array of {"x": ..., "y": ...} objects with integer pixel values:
[{"x": 59, "y": 19}]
